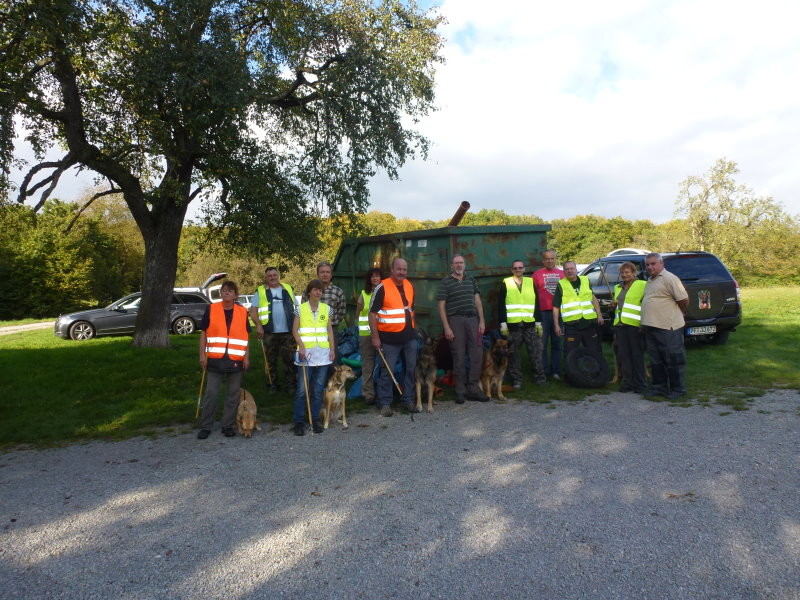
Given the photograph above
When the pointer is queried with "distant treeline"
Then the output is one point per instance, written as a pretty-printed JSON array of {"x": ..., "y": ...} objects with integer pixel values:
[{"x": 48, "y": 267}]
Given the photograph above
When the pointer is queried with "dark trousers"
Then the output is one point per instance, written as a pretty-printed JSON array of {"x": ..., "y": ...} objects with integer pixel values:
[
  {"x": 527, "y": 336},
  {"x": 317, "y": 378},
  {"x": 283, "y": 345},
  {"x": 629, "y": 341},
  {"x": 574, "y": 338},
  {"x": 234, "y": 385},
  {"x": 667, "y": 361},
  {"x": 385, "y": 385},
  {"x": 552, "y": 342},
  {"x": 466, "y": 343}
]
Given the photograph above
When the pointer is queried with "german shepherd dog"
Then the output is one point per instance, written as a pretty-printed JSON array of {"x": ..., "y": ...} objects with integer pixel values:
[
  {"x": 425, "y": 371},
  {"x": 335, "y": 396},
  {"x": 246, "y": 420},
  {"x": 495, "y": 363}
]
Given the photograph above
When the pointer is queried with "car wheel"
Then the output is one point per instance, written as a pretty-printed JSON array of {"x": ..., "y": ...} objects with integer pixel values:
[
  {"x": 586, "y": 368},
  {"x": 81, "y": 330},
  {"x": 183, "y": 326},
  {"x": 721, "y": 338}
]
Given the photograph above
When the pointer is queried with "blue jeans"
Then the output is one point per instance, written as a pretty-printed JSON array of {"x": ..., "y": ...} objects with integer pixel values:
[
  {"x": 385, "y": 385},
  {"x": 317, "y": 379},
  {"x": 553, "y": 342}
]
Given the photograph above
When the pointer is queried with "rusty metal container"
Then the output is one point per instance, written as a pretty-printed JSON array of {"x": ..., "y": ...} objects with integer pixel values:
[{"x": 488, "y": 251}]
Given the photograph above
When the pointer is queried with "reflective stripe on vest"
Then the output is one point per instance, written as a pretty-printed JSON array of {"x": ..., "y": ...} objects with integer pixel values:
[
  {"x": 219, "y": 339},
  {"x": 264, "y": 301},
  {"x": 576, "y": 306},
  {"x": 313, "y": 329},
  {"x": 363, "y": 316},
  {"x": 630, "y": 313},
  {"x": 392, "y": 315},
  {"x": 520, "y": 304}
]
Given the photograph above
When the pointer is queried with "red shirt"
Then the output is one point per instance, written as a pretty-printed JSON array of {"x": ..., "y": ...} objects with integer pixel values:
[{"x": 546, "y": 281}]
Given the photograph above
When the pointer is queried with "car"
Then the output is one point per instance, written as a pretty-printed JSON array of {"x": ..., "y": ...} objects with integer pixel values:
[
  {"x": 212, "y": 293},
  {"x": 715, "y": 306},
  {"x": 119, "y": 318},
  {"x": 245, "y": 300}
]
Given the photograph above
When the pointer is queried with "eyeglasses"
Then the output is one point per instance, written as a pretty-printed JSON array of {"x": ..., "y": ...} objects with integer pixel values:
[{"x": 518, "y": 268}]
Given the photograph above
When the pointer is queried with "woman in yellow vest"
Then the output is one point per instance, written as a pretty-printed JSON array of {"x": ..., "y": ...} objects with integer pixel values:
[
  {"x": 315, "y": 351},
  {"x": 365, "y": 347},
  {"x": 627, "y": 320},
  {"x": 223, "y": 351}
]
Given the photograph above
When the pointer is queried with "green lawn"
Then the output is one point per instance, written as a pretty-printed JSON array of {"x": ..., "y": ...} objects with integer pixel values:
[{"x": 55, "y": 390}]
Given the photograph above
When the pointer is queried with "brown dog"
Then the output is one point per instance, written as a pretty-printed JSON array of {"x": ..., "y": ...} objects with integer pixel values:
[
  {"x": 246, "y": 420},
  {"x": 495, "y": 363},
  {"x": 335, "y": 396},
  {"x": 425, "y": 371}
]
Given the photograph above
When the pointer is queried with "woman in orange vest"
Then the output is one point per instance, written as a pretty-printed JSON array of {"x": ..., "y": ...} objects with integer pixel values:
[{"x": 223, "y": 351}]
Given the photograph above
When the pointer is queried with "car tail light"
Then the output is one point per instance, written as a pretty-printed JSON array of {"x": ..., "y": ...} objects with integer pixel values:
[{"x": 738, "y": 296}]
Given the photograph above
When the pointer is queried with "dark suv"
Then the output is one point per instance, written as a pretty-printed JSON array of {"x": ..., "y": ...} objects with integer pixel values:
[{"x": 715, "y": 308}]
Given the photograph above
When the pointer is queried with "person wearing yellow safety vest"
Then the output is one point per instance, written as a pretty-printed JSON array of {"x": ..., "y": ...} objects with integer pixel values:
[
  {"x": 365, "y": 347},
  {"x": 272, "y": 312},
  {"x": 518, "y": 323},
  {"x": 313, "y": 334},
  {"x": 223, "y": 351},
  {"x": 628, "y": 334},
  {"x": 575, "y": 304}
]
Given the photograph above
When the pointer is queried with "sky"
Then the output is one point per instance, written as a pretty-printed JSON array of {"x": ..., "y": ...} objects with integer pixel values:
[{"x": 564, "y": 108}]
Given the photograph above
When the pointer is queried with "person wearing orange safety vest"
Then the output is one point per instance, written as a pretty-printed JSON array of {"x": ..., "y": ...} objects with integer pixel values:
[
  {"x": 628, "y": 338},
  {"x": 392, "y": 331},
  {"x": 223, "y": 352},
  {"x": 518, "y": 324},
  {"x": 365, "y": 347},
  {"x": 313, "y": 332},
  {"x": 578, "y": 308},
  {"x": 272, "y": 312}
]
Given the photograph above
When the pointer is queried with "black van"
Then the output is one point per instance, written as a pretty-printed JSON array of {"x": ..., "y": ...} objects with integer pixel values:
[{"x": 715, "y": 307}]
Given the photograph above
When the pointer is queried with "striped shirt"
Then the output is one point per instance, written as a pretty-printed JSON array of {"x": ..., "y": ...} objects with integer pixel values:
[{"x": 459, "y": 296}]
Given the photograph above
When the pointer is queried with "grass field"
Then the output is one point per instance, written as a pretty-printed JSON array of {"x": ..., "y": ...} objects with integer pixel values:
[{"x": 53, "y": 390}]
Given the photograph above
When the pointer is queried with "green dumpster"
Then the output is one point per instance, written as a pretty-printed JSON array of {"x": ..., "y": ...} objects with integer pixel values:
[{"x": 488, "y": 251}]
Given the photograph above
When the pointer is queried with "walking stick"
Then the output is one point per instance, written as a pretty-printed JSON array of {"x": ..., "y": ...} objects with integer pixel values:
[
  {"x": 200, "y": 394},
  {"x": 391, "y": 374},
  {"x": 266, "y": 362},
  {"x": 308, "y": 399}
]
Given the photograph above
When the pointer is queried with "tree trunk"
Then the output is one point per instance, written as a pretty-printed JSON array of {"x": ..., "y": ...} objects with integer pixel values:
[{"x": 160, "y": 266}]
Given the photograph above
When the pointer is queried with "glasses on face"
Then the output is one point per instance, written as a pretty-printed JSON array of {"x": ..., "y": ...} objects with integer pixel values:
[{"x": 518, "y": 268}]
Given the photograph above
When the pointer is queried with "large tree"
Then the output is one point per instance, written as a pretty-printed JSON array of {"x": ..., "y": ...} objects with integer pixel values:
[{"x": 274, "y": 111}]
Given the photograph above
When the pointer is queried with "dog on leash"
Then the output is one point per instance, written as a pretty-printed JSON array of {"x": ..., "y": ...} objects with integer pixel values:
[
  {"x": 335, "y": 396},
  {"x": 425, "y": 371},
  {"x": 246, "y": 419},
  {"x": 495, "y": 363}
]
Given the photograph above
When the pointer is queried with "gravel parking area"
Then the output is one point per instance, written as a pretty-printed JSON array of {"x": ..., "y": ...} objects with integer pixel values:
[{"x": 613, "y": 497}]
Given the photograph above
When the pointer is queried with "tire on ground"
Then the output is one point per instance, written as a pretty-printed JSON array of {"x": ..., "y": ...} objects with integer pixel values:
[{"x": 586, "y": 368}]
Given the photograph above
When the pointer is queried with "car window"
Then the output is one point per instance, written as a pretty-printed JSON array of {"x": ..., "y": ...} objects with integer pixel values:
[
  {"x": 696, "y": 267},
  {"x": 132, "y": 303},
  {"x": 192, "y": 299},
  {"x": 595, "y": 275}
]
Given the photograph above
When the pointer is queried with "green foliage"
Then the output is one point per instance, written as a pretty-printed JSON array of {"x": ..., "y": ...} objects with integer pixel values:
[{"x": 278, "y": 112}]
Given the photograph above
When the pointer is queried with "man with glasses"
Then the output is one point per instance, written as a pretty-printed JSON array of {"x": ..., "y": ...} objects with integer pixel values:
[
  {"x": 663, "y": 306},
  {"x": 517, "y": 322}
]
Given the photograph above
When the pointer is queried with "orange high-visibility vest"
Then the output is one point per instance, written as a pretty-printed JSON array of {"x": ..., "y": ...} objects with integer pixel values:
[
  {"x": 392, "y": 315},
  {"x": 219, "y": 339}
]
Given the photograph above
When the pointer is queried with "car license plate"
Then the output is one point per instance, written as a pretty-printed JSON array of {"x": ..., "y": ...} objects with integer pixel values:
[{"x": 702, "y": 330}]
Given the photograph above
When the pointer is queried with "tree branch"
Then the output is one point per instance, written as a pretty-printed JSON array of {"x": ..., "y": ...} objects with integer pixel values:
[
  {"x": 108, "y": 192},
  {"x": 52, "y": 180}
]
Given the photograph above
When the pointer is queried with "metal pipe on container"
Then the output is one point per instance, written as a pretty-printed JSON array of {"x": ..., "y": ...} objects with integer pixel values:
[{"x": 459, "y": 214}]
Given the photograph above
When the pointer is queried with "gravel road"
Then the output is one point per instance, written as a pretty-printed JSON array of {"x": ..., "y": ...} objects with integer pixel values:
[{"x": 614, "y": 497}]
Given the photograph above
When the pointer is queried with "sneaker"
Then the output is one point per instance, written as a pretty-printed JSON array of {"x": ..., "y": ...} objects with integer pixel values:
[
  {"x": 299, "y": 429},
  {"x": 228, "y": 432},
  {"x": 556, "y": 376},
  {"x": 203, "y": 434},
  {"x": 386, "y": 411},
  {"x": 478, "y": 397},
  {"x": 317, "y": 427}
]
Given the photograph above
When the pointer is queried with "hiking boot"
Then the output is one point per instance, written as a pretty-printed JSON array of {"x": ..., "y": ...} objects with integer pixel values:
[
  {"x": 460, "y": 400},
  {"x": 203, "y": 434},
  {"x": 386, "y": 411},
  {"x": 411, "y": 407},
  {"x": 228, "y": 432},
  {"x": 478, "y": 397},
  {"x": 317, "y": 427},
  {"x": 299, "y": 429}
]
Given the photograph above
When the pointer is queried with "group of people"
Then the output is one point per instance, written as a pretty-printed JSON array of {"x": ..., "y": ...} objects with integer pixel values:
[{"x": 537, "y": 311}]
